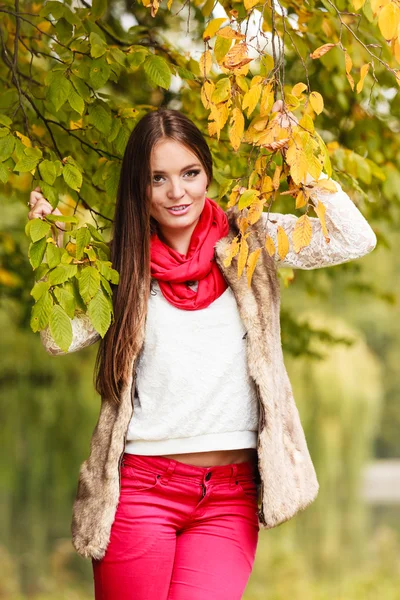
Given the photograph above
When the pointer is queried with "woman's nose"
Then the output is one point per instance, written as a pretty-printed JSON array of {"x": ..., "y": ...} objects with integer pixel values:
[{"x": 176, "y": 189}]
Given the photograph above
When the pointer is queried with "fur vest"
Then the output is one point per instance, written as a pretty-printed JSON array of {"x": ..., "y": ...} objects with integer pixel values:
[{"x": 288, "y": 481}]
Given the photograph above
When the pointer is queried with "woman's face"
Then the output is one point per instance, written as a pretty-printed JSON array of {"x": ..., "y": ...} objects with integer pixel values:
[{"x": 177, "y": 178}]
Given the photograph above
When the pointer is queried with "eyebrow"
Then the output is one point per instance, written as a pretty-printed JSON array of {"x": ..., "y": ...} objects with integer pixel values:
[{"x": 184, "y": 169}]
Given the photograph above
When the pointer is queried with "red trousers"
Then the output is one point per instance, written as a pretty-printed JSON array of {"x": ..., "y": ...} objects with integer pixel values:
[{"x": 180, "y": 532}]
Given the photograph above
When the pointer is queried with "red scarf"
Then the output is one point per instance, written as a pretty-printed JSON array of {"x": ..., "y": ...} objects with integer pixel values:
[{"x": 172, "y": 269}]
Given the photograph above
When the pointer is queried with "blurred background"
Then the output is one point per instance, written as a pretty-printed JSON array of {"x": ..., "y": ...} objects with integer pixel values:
[{"x": 340, "y": 335}]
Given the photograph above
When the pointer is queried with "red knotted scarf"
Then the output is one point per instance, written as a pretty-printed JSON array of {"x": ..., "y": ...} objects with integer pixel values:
[{"x": 172, "y": 269}]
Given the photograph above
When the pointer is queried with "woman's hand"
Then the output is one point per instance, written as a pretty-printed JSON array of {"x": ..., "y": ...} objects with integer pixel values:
[{"x": 40, "y": 207}]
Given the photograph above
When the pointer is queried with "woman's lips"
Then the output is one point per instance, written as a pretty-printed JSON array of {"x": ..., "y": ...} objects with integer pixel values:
[{"x": 176, "y": 213}]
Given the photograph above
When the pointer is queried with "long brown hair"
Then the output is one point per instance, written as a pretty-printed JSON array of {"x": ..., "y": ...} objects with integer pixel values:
[{"x": 130, "y": 246}]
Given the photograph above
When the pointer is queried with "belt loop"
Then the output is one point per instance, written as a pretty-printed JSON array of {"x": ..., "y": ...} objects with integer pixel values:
[
  {"x": 165, "y": 476},
  {"x": 233, "y": 476}
]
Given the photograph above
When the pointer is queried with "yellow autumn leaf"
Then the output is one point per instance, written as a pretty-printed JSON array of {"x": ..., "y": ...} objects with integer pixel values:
[
  {"x": 322, "y": 50},
  {"x": 376, "y": 5},
  {"x": 206, "y": 93},
  {"x": 231, "y": 252},
  {"x": 267, "y": 187},
  {"x": 388, "y": 20},
  {"x": 236, "y": 57},
  {"x": 297, "y": 160},
  {"x": 24, "y": 139},
  {"x": 301, "y": 199},
  {"x": 348, "y": 65},
  {"x": 320, "y": 209},
  {"x": 363, "y": 73},
  {"x": 237, "y": 128},
  {"x": 299, "y": 88},
  {"x": 251, "y": 98},
  {"x": 267, "y": 100},
  {"x": 213, "y": 27},
  {"x": 317, "y": 102},
  {"x": 276, "y": 177},
  {"x": 230, "y": 34},
  {"x": 249, "y": 4},
  {"x": 358, "y": 4},
  {"x": 269, "y": 245},
  {"x": 326, "y": 184},
  {"x": 302, "y": 233},
  {"x": 205, "y": 63},
  {"x": 251, "y": 264},
  {"x": 255, "y": 212},
  {"x": 396, "y": 50},
  {"x": 243, "y": 253},
  {"x": 283, "y": 242}
]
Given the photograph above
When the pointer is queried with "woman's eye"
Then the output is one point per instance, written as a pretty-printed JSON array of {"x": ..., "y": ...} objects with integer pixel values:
[{"x": 194, "y": 172}]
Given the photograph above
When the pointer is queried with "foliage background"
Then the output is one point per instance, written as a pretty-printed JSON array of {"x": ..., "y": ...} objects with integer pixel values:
[{"x": 73, "y": 87}]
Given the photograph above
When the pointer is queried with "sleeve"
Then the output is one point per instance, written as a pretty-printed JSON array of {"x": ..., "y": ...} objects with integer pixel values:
[
  {"x": 83, "y": 334},
  {"x": 350, "y": 234}
]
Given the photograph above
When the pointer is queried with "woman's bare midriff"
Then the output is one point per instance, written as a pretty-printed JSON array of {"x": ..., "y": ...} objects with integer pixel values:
[{"x": 215, "y": 458}]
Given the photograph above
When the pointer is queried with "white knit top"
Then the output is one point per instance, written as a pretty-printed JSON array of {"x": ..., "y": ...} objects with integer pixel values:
[{"x": 193, "y": 392}]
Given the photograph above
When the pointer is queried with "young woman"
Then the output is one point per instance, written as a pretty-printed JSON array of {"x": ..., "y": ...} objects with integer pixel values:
[{"x": 198, "y": 442}]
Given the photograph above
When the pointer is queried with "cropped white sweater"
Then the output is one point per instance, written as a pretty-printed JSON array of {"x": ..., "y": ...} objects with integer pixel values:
[{"x": 193, "y": 392}]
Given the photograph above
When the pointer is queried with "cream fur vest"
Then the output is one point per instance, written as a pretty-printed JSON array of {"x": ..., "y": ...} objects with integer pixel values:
[{"x": 288, "y": 481}]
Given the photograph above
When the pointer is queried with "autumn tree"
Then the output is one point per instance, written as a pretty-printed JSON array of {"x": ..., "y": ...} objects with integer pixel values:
[{"x": 76, "y": 80}]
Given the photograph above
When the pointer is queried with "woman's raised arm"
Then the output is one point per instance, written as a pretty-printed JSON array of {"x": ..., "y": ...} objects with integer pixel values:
[
  {"x": 83, "y": 334},
  {"x": 350, "y": 234}
]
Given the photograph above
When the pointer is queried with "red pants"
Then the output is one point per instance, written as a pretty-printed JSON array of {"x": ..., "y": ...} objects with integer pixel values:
[{"x": 180, "y": 532}]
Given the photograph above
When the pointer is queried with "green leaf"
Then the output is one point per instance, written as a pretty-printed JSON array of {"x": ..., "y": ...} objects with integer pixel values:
[
  {"x": 91, "y": 254},
  {"x": 38, "y": 229},
  {"x": 41, "y": 271},
  {"x": 107, "y": 272},
  {"x": 53, "y": 255},
  {"x": 26, "y": 164},
  {"x": 106, "y": 285},
  {"x": 100, "y": 118},
  {"x": 59, "y": 91},
  {"x": 246, "y": 199},
  {"x": 66, "y": 299},
  {"x": 4, "y": 173},
  {"x": 50, "y": 193},
  {"x": 72, "y": 177},
  {"x": 41, "y": 312},
  {"x": 99, "y": 73},
  {"x": 158, "y": 71},
  {"x": 39, "y": 289},
  {"x": 47, "y": 171},
  {"x": 62, "y": 273},
  {"x": 98, "y": 46},
  {"x": 56, "y": 9},
  {"x": 82, "y": 238},
  {"x": 112, "y": 176},
  {"x": 95, "y": 233},
  {"x": 60, "y": 327},
  {"x": 136, "y": 57},
  {"x": 4, "y": 120},
  {"x": 76, "y": 102},
  {"x": 100, "y": 313},
  {"x": 98, "y": 8},
  {"x": 7, "y": 145},
  {"x": 89, "y": 283},
  {"x": 62, "y": 218}
]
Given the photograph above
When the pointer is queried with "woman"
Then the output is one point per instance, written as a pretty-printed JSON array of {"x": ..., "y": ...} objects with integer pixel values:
[{"x": 198, "y": 442}]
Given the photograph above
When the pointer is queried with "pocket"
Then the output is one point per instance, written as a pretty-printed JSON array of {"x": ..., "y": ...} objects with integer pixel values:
[
  {"x": 248, "y": 487},
  {"x": 138, "y": 480}
]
